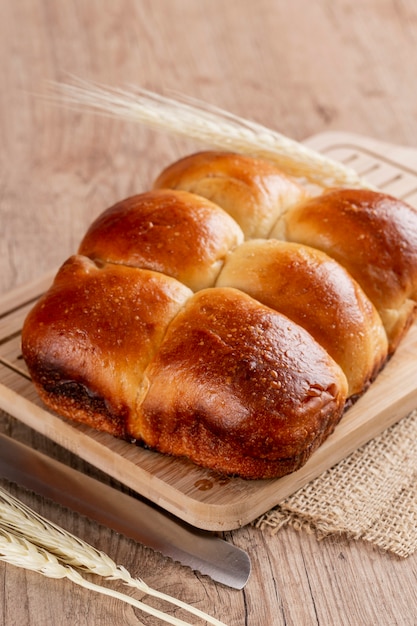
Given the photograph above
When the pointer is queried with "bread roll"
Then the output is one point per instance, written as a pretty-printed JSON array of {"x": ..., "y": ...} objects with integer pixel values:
[
  {"x": 175, "y": 232},
  {"x": 168, "y": 329},
  {"x": 239, "y": 388},
  {"x": 317, "y": 293},
  {"x": 253, "y": 191},
  {"x": 372, "y": 235},
  {"x": 88, "y": 341}
]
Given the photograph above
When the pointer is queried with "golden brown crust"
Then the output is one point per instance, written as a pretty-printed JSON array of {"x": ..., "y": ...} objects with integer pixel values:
[
  {"x": 174, "y": 232},
  {"x": 314, "y": 291},
  {"x": 240, "y": 388},
  {"x": 372, "y": 235},
  {"x": 253, "y": 191},
  {"x": 88, "y": 341}
]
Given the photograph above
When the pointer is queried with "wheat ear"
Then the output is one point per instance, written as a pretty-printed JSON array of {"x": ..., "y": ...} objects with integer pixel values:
[
  {"x": 20, "y": 520},
  {"x": 213, "y": 126}
]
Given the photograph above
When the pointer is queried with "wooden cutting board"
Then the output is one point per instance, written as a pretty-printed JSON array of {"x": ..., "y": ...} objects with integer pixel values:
[{"x": 198, "y": 496}]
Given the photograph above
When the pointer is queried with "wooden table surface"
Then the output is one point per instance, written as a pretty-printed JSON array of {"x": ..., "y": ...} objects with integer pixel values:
[{"x": 299, "y": 67}]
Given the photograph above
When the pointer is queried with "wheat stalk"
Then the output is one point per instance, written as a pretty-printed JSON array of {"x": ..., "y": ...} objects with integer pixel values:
[
  {"x": 34, "y": 532},
  {"x": 20, "y": 552},
  {"x": 197, "y": 120}
]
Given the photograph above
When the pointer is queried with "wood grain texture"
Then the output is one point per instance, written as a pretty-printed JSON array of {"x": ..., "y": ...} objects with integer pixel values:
[{"x": 302, "y": 68}]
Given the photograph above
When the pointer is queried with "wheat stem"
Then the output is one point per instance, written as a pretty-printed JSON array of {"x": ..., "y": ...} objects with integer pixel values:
[
  {"x": 213, "y": 126},
  {"x": 22, "y": 521},
  {"x": 18, "y": 551}
]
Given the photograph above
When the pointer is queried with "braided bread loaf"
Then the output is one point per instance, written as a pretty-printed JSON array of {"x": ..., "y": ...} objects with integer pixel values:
[{"x": 227, "y": 315}]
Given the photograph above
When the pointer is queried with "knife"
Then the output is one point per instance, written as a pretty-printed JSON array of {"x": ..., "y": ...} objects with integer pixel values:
[{"x": 201, "y": 550}]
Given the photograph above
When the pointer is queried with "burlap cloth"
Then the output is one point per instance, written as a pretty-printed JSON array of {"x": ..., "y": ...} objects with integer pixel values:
[{"x": 371, "y": 495}]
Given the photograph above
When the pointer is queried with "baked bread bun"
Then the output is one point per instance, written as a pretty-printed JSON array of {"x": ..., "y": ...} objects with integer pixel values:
[
  {"x": 167, "y": 328},
  {"x": 175, "y": 232},
  {"x": 373, "y": 236},
  {"x": 88, "y": 341},
  {"x": 239, "y": 388},
  {"x": 253, "y": 191},
  {"x": 317, "y": 293}
]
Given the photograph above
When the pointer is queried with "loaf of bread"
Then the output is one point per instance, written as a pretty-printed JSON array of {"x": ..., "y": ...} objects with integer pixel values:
[{"x": 227, "y": 315}]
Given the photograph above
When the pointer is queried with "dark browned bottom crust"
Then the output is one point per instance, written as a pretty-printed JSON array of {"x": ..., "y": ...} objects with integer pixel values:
[
  {"x": 75, "y": 402},
  {"x": 224, "y": 458}
]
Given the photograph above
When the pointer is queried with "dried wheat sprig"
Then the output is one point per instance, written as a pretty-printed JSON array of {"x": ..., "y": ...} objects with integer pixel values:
[
  {"x": 18, "y": 551},
  {"x": 22, "y": 521},
  {"x": 208, "y": 124}
]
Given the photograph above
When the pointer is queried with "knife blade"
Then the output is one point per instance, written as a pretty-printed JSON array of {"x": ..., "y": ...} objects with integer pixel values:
[{"x": 135, "y": 518}]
